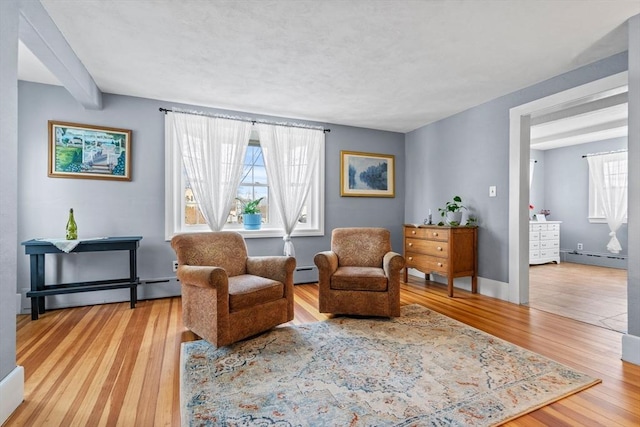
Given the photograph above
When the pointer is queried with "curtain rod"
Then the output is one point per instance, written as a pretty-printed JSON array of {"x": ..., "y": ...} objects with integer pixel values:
[
  {"x": 624, "y": 150},
  {"x": 244, "y": 119}
]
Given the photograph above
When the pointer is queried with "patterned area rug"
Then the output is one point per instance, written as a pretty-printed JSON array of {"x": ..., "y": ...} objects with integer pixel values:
[{"x": 421, "y": 369}]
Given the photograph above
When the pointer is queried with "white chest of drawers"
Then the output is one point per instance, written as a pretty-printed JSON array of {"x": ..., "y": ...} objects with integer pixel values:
[{"x": 544, "y": 242}]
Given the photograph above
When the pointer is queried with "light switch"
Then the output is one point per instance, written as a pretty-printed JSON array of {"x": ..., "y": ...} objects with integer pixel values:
[{"x": 492, "y": 191}]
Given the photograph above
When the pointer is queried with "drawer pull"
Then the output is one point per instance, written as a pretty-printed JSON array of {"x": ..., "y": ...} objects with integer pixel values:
[
  {"x": 410, "y": 244},
  {"x": 413, "y": 231},
  {"x": 435, "y": 233},
  {"x": 439, "y": 248},
  {"x": 410, "y": 258},
  {"x": 439, "y": 264}
]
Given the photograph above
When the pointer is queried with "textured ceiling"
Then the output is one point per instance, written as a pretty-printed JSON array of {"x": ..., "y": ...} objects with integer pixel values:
[{"x": 392, "y": 65}]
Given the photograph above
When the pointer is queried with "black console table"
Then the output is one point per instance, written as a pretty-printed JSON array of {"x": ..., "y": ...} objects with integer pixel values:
[{"x": 36, "y": 249}]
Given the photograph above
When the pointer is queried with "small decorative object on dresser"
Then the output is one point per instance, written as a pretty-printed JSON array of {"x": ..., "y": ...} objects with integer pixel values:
[
  {"x": 544, "y": 242},
  {"x": 447, "y": 251}
]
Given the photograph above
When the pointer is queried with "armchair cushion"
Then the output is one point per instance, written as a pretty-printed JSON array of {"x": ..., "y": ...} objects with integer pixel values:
[
  {"x": 359, "y": 279},
  {"x": 247, "y": 291}
]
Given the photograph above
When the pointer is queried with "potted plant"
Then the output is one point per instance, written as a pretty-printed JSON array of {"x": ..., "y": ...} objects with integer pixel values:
[
  {"x": 251, "y": 215},
  {"x": 452, "y": 212}
]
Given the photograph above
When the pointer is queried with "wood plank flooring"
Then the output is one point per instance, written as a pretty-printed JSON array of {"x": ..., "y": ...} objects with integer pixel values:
[
  {"x": 588, "y": 293},
  {"x": 109, "y": 365}
]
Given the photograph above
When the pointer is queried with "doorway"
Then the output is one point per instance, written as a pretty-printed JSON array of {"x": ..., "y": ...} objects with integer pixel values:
[{"x": 520, "y": 137}]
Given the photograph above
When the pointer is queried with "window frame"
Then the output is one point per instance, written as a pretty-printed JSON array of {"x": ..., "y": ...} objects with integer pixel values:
[{"x": 175, "y": 200}]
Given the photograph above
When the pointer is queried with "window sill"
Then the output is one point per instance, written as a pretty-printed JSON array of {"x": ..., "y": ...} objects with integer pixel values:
[
  {"x": 263, "y": 233},
  {"x": 596, "y": 220}
]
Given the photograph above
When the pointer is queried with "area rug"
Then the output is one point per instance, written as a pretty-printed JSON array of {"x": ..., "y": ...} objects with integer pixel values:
[{"x": 420, "y": 369}]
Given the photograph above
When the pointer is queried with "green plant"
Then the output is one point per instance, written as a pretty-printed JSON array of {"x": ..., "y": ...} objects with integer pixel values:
[
  {"x": 455, "y": 205},
  {"x": 251, "y": 206},
  {"x": 471, "y": 221}
]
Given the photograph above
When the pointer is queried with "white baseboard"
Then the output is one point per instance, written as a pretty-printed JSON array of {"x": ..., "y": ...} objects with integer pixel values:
[
  {"x": 631, "y": 349},
  {"x": 12, "y": 392},
  {"x": 487, "y": 287}
]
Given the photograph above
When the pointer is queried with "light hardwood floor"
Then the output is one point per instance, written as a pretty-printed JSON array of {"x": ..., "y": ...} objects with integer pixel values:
[
  {"x": 588, "y": 293},
  {"x": 109, "y": 365}
]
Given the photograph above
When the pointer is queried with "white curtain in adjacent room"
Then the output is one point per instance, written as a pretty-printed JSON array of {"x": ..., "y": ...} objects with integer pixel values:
[
  {"x": 212, "y": 151},
  {"x": 532, "y": 166},
  {"x": 291, "y": 155},
  {"x": 609, "y": 174}
]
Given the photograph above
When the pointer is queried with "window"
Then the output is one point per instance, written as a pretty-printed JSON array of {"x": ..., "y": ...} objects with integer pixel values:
[
  {"x": 183, "y": 215},
  {"x": 614, "y": 169}
]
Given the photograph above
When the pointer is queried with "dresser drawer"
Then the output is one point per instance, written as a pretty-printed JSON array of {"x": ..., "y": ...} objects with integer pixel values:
[
  {"x": 549, "y": 235},
  {"x": 534, "y": 235},
  {"x": 553, "y": 227},
  {"x": 426, "y": 263},
  {"x": 428, "y": 247},
  {"x": 428, "y": 233},
  {"x": 549, "y": 253},
  {"x": 549, "y": 244},
  {"x": 534, "y": 245},
  {"x": 534, "y": 254},
  {"x": 537, "y": 227}
]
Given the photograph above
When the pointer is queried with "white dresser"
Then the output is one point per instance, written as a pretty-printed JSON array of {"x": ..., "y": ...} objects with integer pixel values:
[{"x": 544, "y": 242}]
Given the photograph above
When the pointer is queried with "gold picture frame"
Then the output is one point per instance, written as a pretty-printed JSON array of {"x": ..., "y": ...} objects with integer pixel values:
[
  {"x": 367, "y": 174},
  {"x": 89, "y": 152}
]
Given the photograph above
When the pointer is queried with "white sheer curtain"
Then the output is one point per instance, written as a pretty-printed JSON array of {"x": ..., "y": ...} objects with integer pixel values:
[
  {"x": 290, "y": 156},
  {"x": 609, "y": 174},
  {"x": 212, "y": 151},
  {"x": 532, "y": 166}
]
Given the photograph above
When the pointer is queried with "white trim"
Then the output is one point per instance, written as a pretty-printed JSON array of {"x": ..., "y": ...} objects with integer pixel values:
[
  {"x": 631, "y": 349},
  {"x": 519, "y": 147},
  {"x": 487, "y": 287},
  {"x": 12, "y": 393}
]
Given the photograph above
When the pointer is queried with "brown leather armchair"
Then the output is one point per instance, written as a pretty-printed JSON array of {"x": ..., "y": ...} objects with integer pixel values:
[
  {"x": 227, "y": 295},
  {"x": 360, "y": 275}
]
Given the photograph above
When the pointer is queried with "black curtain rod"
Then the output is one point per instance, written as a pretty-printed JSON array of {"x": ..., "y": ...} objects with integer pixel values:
[
  {"x": 603, "y": 153},
  {"x": 245, "y": 119}
]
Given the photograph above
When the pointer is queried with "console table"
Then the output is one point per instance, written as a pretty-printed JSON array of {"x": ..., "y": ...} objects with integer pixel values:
[
  {"x": 447, "y": 251},
  {"x": 36, "y": 249}
]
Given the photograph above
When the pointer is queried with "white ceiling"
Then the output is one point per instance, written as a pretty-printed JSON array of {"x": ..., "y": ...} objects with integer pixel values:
[{"x": 391, "y": 65}]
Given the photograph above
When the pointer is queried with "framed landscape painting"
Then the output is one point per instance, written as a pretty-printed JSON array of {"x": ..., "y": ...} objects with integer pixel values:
[
  {"x": 367, "y": 174},
  {"x": 86, "y": 151}
]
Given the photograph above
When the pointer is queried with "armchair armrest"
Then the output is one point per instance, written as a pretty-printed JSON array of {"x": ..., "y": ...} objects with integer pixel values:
[
  {"x": 327, "y": 262},
  {"x": 203, "y": 276},
  {"x": 392, "y": 263},
  {"x": 278, "y": 268}
]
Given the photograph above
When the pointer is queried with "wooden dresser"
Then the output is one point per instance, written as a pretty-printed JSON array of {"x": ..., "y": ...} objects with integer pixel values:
[{"x": 446, "y": 251}]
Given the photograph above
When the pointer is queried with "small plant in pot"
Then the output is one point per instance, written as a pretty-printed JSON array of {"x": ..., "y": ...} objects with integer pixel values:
[
  {"x": 452, "y": 212},
  {"x": 251, "y": 215}
]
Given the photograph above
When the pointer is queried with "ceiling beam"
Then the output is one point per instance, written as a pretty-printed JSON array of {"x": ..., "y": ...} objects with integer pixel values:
[
  {"x": 584, "y": 108},
  {"x": 43, "y": 38}
]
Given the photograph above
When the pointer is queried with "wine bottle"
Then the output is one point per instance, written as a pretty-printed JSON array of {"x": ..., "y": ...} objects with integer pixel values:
[{"x": 72, "y": 227}]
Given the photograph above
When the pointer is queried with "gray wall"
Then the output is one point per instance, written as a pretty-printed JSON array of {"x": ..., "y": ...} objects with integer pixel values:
[
  {"x": 466, "y": 153},
  {"x": 8, "y": 185},
  {"x": 566, "y": 194},
  {"x": 104, "y": 208}
]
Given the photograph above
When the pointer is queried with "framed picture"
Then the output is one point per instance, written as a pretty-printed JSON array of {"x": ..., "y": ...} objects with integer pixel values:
[
  {"x": 367, "y": 174},
  {"x": 86, "y": 151}
]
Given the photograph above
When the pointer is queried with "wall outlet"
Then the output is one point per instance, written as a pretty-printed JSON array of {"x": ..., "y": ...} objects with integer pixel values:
[
  {"x": 579, "y": 246},
  {"x": 175, "y": 265}
]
